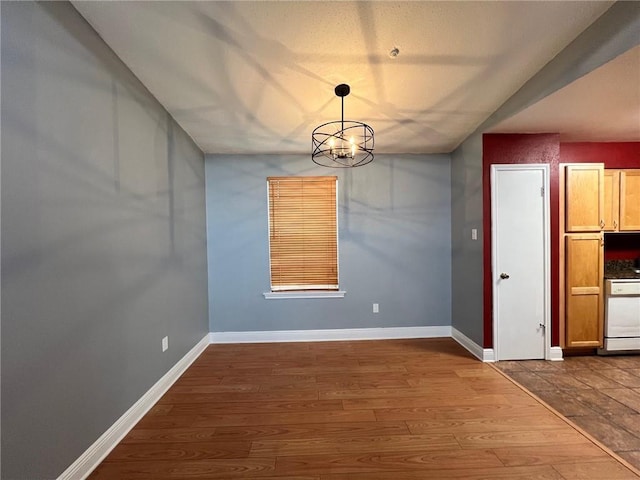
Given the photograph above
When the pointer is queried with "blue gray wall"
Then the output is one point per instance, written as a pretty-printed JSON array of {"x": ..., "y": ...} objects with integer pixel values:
[
  {"x": 394, "y": 240},
  {"x": 466, "y": 254},
  {"x": 615, "y": 32},
  {"x": 103, "y": 239}
]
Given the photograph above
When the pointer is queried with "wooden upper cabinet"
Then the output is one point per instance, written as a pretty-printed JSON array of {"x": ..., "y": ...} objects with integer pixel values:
[
  {"x": 630, "y": 200},
  {"x": 611, "y": 200},
  {"x": 584, "y": 290},
  {"x": 584, "y": 197},
  {"x": 621, "y": 200}
]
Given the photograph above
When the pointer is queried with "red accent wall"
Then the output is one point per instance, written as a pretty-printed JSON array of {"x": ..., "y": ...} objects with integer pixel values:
[
  {"x": 509, "y": 149},
  {"x": 546, "y": 148},
  {"x": 621, "y": 246},
  {"x": 613, "y": 155}
]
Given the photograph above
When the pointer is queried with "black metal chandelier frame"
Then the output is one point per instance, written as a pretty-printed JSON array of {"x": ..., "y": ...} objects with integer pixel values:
[{"x": 342, "y": 143}]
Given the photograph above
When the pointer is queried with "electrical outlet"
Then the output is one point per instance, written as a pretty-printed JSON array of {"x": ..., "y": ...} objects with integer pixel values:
[
  {"x": 165, "y": 344},
  {"x": 474, "y": 234},
  {"x": 376, "y": 308}
]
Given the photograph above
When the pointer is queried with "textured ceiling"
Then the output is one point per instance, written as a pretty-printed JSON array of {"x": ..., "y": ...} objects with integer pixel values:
[{"x": 257, "y": 77}]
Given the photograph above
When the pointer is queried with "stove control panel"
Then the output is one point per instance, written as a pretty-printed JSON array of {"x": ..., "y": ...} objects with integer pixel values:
[{"x": 623, "y": 287}]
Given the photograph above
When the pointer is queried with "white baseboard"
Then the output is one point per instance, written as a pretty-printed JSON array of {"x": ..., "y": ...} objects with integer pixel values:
[
  {"x": 555, "y": 354},
  {"x": 330, "y": 335},
  {"x": 488, "y": 355},
  {"x": 484, "y": 354},
  {"x": 91, "y": 458}
]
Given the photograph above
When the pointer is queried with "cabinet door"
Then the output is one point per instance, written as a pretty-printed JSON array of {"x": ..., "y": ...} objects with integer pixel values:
[
  {"x": 584, "y": 194},
  {"x": 611, "y": 185},
  {"x": 584, "y": 290},
  {"x": 630, "y": 200}
]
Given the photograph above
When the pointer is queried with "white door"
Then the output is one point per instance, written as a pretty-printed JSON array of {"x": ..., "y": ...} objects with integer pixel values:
[{"x": 520, "y": 261}]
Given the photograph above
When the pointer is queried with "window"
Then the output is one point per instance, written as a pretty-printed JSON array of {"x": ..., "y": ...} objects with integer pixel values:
[{"x": 303, "y": 233}]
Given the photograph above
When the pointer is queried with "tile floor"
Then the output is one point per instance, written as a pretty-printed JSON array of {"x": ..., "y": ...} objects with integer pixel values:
[{"x": 599, "y": 394}]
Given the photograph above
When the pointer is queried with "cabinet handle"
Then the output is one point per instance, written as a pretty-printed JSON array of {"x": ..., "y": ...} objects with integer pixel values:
[
  {"x": 615, "y": 224},
  {"x": 601, "y": 223}
]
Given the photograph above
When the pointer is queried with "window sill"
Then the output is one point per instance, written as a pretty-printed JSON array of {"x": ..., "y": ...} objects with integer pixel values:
[{"x": 307, "y": 294}]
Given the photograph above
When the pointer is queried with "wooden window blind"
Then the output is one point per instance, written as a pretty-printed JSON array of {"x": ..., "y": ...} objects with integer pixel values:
[{"x": 303, "y": 233}]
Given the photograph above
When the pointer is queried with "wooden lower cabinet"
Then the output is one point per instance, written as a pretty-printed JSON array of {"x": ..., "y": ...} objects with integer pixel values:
[{"x": 584, "y": 293}]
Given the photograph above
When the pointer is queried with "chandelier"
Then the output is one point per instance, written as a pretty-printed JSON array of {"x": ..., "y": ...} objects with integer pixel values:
[{"x": 342, "y": 143}]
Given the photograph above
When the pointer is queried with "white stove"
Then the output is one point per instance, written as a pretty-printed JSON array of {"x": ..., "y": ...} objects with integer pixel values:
[{"x": 622, "y": 316}]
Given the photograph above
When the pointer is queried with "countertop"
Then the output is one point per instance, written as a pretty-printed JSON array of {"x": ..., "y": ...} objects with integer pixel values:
[
  {"x": 622, "y": 276},
  {"x": 620, "y": 269}
]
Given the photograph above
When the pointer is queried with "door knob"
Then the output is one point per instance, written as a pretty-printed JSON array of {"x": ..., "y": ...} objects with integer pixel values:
[{"x": 504, "y": 276}]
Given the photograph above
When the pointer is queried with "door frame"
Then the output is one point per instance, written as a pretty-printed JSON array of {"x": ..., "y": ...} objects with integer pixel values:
[{"x": 545, "y": 169}]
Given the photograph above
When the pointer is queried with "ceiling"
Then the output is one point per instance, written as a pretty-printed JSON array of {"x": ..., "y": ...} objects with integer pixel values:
[
  {"x": 603, "y": 106},
  {"x": 258, "y": 77}
]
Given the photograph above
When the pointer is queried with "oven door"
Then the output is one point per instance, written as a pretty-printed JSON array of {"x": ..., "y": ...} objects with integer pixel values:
[
  {"x": 622, "y": 321},
  {"x": 622, "y": 316}
]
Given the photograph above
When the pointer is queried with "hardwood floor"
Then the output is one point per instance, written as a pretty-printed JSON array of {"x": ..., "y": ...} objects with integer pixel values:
[{"x": 370, "y": 410}]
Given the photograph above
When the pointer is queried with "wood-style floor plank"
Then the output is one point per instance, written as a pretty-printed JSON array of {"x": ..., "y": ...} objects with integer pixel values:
[
  {"x": 270, "y": 380},
  {"x": 371, "y": 410},
  {"x": 607, "y": 469},
  {"x": 519, "y": 437},
  {"x": 256, "y": 406},
  {"x": 194, "y": 450},
  {"x": 183, "y": 469},
  {"x": 353, "y": 444},
  {"x": 484, "y": 424},
  {"x": 341, "y": 368},
  {"x": 236, "y": 396},
  {"x": 190, "y": 389},
  {"x": 458, "y": 412},
  {"x": 196, "y": 380},
  {"x": 293, "y": 418},
  {"x": 393, "y": 393},
  {"x": 550, "y": 454},
  {"x": 456, "y": 398},
  {"x": 333, "y": 431},
  {"x": 387, "y": 461},
  {"x": 500, "y": 473}
]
